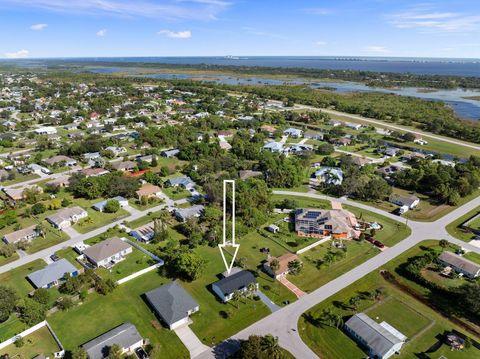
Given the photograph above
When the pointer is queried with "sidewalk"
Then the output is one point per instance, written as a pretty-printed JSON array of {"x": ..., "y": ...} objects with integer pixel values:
[{"x": 292, "y": 287}]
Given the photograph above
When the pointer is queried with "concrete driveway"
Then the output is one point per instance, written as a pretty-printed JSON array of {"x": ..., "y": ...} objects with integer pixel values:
[{"x": 191, "y": 341}]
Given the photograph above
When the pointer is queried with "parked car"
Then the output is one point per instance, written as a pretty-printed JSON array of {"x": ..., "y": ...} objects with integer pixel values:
[
  {"x": 54, "y": 257},
  {"x": 141, "y": 353},
  {"x": 378, "y": 243}
]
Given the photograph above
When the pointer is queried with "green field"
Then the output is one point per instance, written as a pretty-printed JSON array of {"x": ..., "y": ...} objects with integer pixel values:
[
  {"x": 419, "y": 322},
  {"x": 39, "y": 342},
  {"x": 16, "y": 278},
  {"x": 125, "y": 304},
  {"x": 457, "y": 232}
]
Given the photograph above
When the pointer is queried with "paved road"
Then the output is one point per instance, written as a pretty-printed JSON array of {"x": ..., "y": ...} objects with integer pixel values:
[
  {"x": 283, "y": 323},
  {"x": 76, "y": 237}
]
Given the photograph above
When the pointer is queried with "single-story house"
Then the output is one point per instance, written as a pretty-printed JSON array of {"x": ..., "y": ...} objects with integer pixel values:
[
  {"x": 45, "y": 130},
  {"x": 459, "y": 264},
  {"x": 17, "y": 194},
  {"x": 117, "y": 151},
  {"x": 99, "y": 206},
  {"x": 330, "y": 175},
  {"x": 312, "y": 135},
  {"x": 36, "y": 168},
  {"x": 66, "y": 216},
  {"x": 25, "y": 234},
  {"x": 353, "y": 126},
  {"x": 343, "y": 141},
  {"x": 107, "y": 252},
  {"x": 170, "y": 153},
  {"x": 126, "y": 336},
  {"x": 410, "y": 201},
  {"x": 183, "y": 214},
  {"x": 273, "y": 146},
  {"x": 124, "y": 165},
  {"x": 240, "y": 281},
  {"x": 293, "y": 132},
  {"x": 148, "y": 190},
  {"x": 380, "y": 340},
  {"x": 283, "y": 265},
  {"x": 359, "y": 161},
  {"x": 183, "y": 181},
  {"x": 62, "y": 181},
  {"x": 53, "y": 274},
  {"x": 391, "y": 151},
  {"x": 300, "y": 148},
  {"x": 55, "y": 160},
  {"x": 94, "y": 172},
  {"x": 91, "y": 155},
  {"x": 144, "y": 233},
  {"x": 172, "y": 303}
]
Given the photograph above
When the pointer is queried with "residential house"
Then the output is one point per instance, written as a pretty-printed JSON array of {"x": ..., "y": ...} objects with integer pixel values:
[
  {"x": 359, "y": 161},
  {"x": 239, "y": 281},
  {"x": 148, "y": 190},
  {"x": 66, "y": 216},
  {"x": 300, "y": 148},
  {"x": 35, "y": 168},
  {"x": 273, "y": 228},
  {"x": 270, "y": 130},
  {"x": 22, "y": 235},
  {"x": 17, "y": 194},
  {"x": 126, "y": 336},
  {"x": 94, "y": 172},
  {"x": 170, "y": 153},
  {"x": 53, "y": 274},
  {"x": 380, "y": 340},
  {"x": 315, "y": 222},
  {"x": 100, "y": 206},
  {"x": 183, "y": 214},
  {"x": 182, "y": 181},
  {"x": 330, "y": 175},
  {"x": 144, "y": 233},
  {"x": 353, "y": 126},
  {"x": 459, "y": 264},
  {"x": 275, "y": 147},
  {"x": 117, "y": 151},
  {"x": 172, "y": 303},
  {"x": 62, "y": 181},
  {"x": 124, "y": 166},
  {"x": 108, "y": 252},
  {"x": 245, "y": 118},
  {"x": 293, "y": 132},
  {"x": 283, "y": 262},
  {"x": 312, "y": 135},
  {"x": 60, "y": 159},
  {"x": 45, "y": 130},
  {"x": 391, "y": 151},
  {"x": 334, "y": 123},
  {"x": 410, "y": 201},
  {"x": 343, "y": 141}
]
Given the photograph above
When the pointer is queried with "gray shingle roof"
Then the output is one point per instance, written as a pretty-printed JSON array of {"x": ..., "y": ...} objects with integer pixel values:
[
  {"x": 106, "y": 249},
  {"x": 376, "y": 337},
  {"x": 171, "y": 302},
  {"x": 51, "y": 273},
  {"x": 235, "y": 282},
  {"x": 124, "y": 335},
  {"x": 459, "y": 262}
]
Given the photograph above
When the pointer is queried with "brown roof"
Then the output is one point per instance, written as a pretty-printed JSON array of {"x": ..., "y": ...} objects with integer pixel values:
[
  {"x": 20, "y": 234},
  {"x": 283, "y": 261},
  {"x": 147, "y": 190},
  {"x": 106, "y": 249}
]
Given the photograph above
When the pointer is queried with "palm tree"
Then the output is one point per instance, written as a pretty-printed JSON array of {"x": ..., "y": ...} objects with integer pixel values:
[
  {"x": 354, "y": 301},
  {"x": 40, "y": 230},
  {"x": 295, "y": 266},
  {"x": 251, "y": 289},
  {"x": 274, "y": 265},
  {"x": 236, "y": 296},
  {"x": 269, "y": 346}
]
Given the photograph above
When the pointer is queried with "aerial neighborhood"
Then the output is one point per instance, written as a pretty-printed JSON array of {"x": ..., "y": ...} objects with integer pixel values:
[{"x": 112, "y": 213}]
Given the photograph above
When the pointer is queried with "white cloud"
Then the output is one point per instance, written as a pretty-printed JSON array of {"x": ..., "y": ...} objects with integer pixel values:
[
  {"x": 317, "y": 11},
  {"x": 376, "y": 49},
  {"x": 164, "y": 9},
  {"x": 102, "y": 32},
  {"x": 427, "y": 19},
  {"x": 17, "y": 55},
  {"x": 176, "y": 34},
  {"x": 38, "y": 27},
  {"x": 321, "y": 43}
]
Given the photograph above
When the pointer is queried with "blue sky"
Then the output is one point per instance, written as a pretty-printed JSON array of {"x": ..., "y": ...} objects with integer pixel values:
[{"x": 58, "y": 28}]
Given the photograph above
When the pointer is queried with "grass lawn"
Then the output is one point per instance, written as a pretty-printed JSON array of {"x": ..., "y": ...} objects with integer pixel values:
[
  {"x": 39, "y": 342},
  {"x": 302, "y": 202},
  {"x": 209, "y": 324},
  {"x": 143, "y": 220},
  {"x": 176, "y": 193},
  {"x": 136, "y": 204},
  {"x": 19, "y": 178},
  {"x": 457, "y": 232},
  {"x": 102, "y": 313},
  {"x": 5, "y": 260},
  {"x": 135, "y": 261},
  {"x": 97, "y": 219},
  {"x": 70, "y": 255},
  {"x": 310, "y": 278},
  {"x": 11, "y": 327},
  {"x": 418, "y": 321},
  {"x": 52, "y": 237},
  {"x": 16, "y": 278}
]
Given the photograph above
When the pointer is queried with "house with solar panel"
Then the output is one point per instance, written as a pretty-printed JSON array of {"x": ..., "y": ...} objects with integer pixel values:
[
  {"x": 315, "y": 222},
  {"x": 381, "y": 341}
]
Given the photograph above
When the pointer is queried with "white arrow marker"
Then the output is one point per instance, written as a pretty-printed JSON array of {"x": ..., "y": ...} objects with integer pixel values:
[{"x": 230, "y": 243}]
